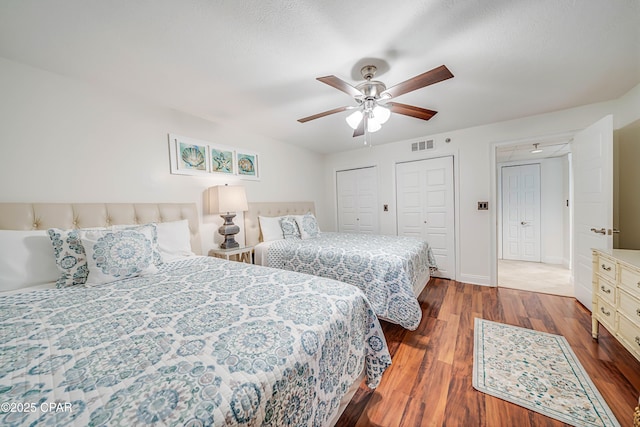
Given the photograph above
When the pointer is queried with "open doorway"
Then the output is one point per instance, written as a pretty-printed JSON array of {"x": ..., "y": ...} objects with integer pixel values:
[{"x": 533, "y": 215}]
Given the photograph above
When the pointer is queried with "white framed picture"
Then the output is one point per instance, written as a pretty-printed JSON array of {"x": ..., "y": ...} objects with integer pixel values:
[
  {"x": 222, "y": 159},
  {"x": 188, "y": 156},
  {"x": 247, "y": 164}
]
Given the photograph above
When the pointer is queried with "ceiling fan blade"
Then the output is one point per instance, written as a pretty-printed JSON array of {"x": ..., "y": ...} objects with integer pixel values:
[
  {"x": 410, "y": 110},
  {"x": 340, "y": 84},
  {"x": 436, "y": 75},
  {"x": 360, "y": 130},
  {"x": 325, "y": 113}
]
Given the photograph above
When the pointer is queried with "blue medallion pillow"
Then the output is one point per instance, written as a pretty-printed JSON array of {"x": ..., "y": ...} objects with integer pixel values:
[
  {"x": 119, "y": 254},
  {"x": 71, "y": 259},
  {"x": 289, "y": 227},
  {"x": 308, "y": 226}
]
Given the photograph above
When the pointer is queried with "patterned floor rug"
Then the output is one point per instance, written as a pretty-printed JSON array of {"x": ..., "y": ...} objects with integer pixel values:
[{"x": 538, "y": 371}]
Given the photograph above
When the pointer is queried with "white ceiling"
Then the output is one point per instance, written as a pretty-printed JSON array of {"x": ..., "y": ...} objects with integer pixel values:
[
  {"x": 550, "y": 147},
  {"x": 254, "y": 63}
]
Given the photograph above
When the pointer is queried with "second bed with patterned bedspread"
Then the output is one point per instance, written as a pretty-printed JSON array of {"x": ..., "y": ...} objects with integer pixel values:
[{"x": 389, "y": 269}]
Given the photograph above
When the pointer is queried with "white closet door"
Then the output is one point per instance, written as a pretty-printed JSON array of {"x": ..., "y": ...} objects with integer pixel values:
[
  {"x": 425, "y": 201},
  {"x": 357, "y": 191},
  {"x": 521, "y": 212}
]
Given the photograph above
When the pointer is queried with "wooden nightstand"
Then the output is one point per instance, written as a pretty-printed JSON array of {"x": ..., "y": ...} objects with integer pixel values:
[{"x": 241, "y": 254}]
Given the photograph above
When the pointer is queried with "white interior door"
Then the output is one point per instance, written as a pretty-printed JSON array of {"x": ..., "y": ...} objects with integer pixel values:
[
  {"x": 357, "y": 191},
  {"x": 346, "y": 186},
  {"x": 367, "y": 185},
  {"x": 425, "y": 207},
  {"x": 521, "y": 212},
  {"x": 592, "y": 160}
]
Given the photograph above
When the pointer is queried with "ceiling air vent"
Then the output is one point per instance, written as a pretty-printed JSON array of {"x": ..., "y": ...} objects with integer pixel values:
[{"x": 423, "y": 145}]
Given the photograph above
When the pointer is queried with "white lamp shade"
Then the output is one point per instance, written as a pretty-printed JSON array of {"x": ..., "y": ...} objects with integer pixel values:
[
  {"x": 373, "y": 125},
  {"x": 382, "y": 114},
  {"x": 227, "y": 198},
  {"x": 353, "y": 119}
]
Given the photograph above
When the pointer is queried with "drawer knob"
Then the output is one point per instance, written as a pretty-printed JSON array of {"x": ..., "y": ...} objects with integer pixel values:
[
  {"x": 605, "y": 290},
  {"x": 605, "y": 268},
  {"x": 638, "y": 311},
  {"x": 638, "y": 340},
  {"x": 606, "y": 313}
]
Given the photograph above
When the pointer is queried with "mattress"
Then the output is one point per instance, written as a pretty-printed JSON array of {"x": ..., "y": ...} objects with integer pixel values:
[
  {"x": 390, "y": 270},
  {"x": 202, "y": 342}
]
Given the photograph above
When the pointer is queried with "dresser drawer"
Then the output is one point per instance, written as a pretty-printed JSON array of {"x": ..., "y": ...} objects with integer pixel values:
[
  {"x": 607, "y": 291},
  {"x": 630, "y": 333},
  {"x": 630, "y": 280},
  {"x": 607, "y": 268},
  {"x": 630, "y": 307},
  {"x": 606, "y": 314}
]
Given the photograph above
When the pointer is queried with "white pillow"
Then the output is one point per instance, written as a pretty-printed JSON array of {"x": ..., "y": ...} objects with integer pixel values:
[
  {"x": 119, "y": 254},
  {"x": 26, "y": 259},
  {"x": 174, "y": 240},
  {"x": 270, "y": 227}
]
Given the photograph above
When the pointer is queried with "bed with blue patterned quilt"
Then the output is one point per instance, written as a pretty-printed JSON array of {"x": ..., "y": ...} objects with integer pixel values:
[
  {"x": 202, "y": 341},
  {"x": 391, "y": 270}
]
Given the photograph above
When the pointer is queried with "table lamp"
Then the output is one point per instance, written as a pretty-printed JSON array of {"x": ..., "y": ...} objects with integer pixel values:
[{"x": 227, "y": 200}]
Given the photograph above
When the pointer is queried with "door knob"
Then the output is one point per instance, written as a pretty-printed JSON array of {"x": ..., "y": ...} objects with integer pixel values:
[{"x": 601, "y": 231}]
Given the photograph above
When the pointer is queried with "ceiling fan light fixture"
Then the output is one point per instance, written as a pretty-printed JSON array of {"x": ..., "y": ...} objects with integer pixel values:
[
  {"x": 354, "y": 119},
  {"x": 536, "y": 150},
  {"x": 373, "y": 125},
  {"x": 381, "y": 114}
]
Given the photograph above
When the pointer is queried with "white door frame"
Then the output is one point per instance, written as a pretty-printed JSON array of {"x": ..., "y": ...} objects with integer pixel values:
[{"x": 493, "y": 197}]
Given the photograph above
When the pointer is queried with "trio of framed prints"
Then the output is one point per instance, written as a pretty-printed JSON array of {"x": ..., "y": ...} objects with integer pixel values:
[{"x": 191, "y": 156}]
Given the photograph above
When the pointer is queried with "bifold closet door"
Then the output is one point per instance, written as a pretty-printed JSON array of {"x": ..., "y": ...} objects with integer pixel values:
[
  {"x": 425, "y": 207},
  {"x": 357, "y": 191}
]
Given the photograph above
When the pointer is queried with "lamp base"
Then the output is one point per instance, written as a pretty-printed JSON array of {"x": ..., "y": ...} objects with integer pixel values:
[{"x": 228, "y": 230}]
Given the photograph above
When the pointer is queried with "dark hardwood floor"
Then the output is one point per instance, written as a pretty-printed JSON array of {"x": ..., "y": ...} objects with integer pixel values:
[{"x": 429, "y": 382}]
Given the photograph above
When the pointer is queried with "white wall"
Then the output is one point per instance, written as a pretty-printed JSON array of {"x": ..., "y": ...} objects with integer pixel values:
[
  {"x": 62, "y": 140},
  {"x": 475, "y": 173}
]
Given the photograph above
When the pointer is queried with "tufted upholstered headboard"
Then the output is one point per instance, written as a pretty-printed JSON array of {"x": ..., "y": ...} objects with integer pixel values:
[
  {"x": 41, "y": 216},
  {"x": 252, "y": 224}
]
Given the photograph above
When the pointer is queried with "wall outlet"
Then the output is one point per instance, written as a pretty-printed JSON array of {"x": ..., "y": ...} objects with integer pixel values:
[{"x": 483, "y": 206}]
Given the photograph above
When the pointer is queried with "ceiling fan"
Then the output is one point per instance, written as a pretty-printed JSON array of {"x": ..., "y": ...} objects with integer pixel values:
[{"x": 373, "y": 99}]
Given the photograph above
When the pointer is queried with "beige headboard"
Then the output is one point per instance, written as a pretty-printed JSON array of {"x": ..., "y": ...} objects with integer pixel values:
[
  {"x": 252, "y": 225},
  {"x": 41, "y": 216}
]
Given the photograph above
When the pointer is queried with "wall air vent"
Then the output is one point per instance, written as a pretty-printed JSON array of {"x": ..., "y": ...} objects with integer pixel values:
[{"x": 423, "y": 145}]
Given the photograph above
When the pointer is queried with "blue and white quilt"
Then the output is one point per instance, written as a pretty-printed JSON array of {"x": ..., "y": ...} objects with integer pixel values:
[
  {"x": 202, "y": 342},
  {"x": 386, "y": 268}
]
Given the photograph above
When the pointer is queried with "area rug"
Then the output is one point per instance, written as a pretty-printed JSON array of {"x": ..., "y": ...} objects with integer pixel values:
[{"x": 538, "y": 371}]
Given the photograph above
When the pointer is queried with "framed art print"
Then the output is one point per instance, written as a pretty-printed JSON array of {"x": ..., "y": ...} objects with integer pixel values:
[
  {"x": 188, "y": 156},
  {"x": 247, "y": 164},
  {"x": 222, "y": 160}
]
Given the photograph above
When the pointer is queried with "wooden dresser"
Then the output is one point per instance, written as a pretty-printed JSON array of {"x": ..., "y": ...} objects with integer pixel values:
[{"x": 616, "y": 296}]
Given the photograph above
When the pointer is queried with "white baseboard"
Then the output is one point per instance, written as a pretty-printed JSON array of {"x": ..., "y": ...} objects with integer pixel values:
[
  {"x": 553, "y": 260},
  {"x": 474, "y": 279}
]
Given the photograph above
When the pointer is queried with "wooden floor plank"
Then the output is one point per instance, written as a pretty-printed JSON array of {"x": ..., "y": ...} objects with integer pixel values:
[{"x": 430, "y": 380}]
